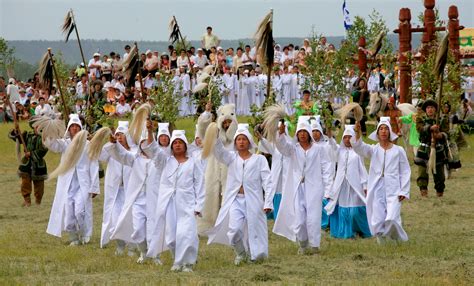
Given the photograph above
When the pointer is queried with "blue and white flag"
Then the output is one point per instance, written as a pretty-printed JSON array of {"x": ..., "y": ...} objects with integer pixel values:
[{"x": 347, "y": 17}]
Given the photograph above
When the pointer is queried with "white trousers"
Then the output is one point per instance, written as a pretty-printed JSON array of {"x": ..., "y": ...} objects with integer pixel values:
[
  {"x": 301, "y": 229},
  {"x": 139, "y": 218},
  {"x": 75, "y": 208},
  {"x": 237, "y": 223}
]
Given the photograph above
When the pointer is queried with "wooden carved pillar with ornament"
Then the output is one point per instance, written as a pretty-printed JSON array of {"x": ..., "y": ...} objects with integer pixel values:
[
  {"x": 453, "y": 30},
  {"x": 429, "y": 36},
  {"x": 404, "y": 36}
]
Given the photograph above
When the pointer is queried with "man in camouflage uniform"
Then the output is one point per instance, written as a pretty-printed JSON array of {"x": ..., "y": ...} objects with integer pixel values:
[
  {"x": 32, "y": 169},
  {"x": 428, "y": 130}
]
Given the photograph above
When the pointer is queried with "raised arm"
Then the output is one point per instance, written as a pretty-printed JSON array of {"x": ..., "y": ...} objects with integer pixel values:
[
  {"x": 223, "y": 155},
  {"x": 119, "y": 153},
  {"x": 361, "y": 148},
  {"x": 56, "y": 145},
  {"x": 266, "y": 146},
  {"x": 284, "y": 147}
]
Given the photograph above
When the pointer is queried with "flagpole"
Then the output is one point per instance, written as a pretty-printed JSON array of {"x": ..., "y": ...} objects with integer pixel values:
[
  {"x": 79, "y": 40},
  {"x": 184, "y": 45},
  {"x": 140, "y": 74},
  {"x": 86, "y": 67},
  {"x": 270, "y": 65},
  {"x": 58, "y": 82}
]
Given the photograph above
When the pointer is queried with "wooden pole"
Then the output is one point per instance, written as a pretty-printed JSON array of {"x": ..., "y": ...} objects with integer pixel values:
[
  {"x": 86, "y": 67},
  {"x": 269, "y": 65},
  {"x": 58, "y": 82},
  {"x": 140, "y": 74}
]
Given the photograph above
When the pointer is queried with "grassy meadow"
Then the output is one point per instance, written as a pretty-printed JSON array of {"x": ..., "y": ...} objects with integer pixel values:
[{"x": 440, "y": 250}]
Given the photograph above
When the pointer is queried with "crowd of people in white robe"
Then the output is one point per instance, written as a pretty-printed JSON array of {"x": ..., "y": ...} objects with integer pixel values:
[{"x": 154, "y": 190}]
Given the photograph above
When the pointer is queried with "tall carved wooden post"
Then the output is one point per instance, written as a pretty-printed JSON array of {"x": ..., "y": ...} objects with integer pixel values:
[
  {"x": 453, "y": 30},
  {"x": 404, "y": 36},
  {"x": 429, "y": 36},
  {"x": 362, "y": 57}
]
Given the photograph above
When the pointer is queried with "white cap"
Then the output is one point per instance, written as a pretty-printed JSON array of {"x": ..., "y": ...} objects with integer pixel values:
[
  {"x": 122, "y": 127},
  {"x": 243, "y": 129},
  {"x": 383, "y": 121},
  {"x": 11, "y": 81},
  {"x": 73, "y": 119},
  {"x": 315, "y": 125},
  {"x": 96, "y": 55},
  {"x": 179, "y": 134},
  {"x": 163, "y": 129},
  {"x": 303, "y": 124},
  {"x": 148, "y": 52},
  {"x": 220, "y": 48}
]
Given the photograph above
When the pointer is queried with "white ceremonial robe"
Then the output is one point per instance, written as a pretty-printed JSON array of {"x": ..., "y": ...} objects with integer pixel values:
[
  {"x": 72, "y": 205},
  {"x": 229, "y": 87},
  {"x": 243, "y": 107},
  {"x": 136, "y": 219},
  {"x": 389, "y": 177},
  {"x": 350, "y": 168},
  {"x": 181, "y": 193},
  {"x": 261, "y": 90},
  {"x": 252, "y": 174},
  {"x": 276, "y": 86},
  {"x": 186, "y": 102},
  {"x": 286, "y": 92},
  {"x": 313, "y": 166},
  {"x": 116, "y": 180},
  {"x": 280, "y": 164}
]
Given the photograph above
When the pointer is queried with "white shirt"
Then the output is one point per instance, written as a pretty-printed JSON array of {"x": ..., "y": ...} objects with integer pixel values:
[
  {"x": 12, "y": 92},
  {"x": 201, "y": 61},
  {"x": 93, "y": 71},
  {"x": 43, "y": 110},
  {"x": 122, "y": 109}
]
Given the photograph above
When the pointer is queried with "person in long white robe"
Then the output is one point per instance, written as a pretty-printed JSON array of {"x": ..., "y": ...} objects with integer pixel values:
[
  {"x": 136, "y": 219},
  {"x": 229, "y": 80},
  {"x": 299, "y": 218},
  {"x": 180, "y": 200},
  {"x": 277, "y": 86},
  {"x": 244, "y": 103},
  {"x": 241, "y": 222},
  {"x": 261, "y": 88},
  {"x": 388, "y": 184},
  {"x": 329, "y": 146},
  {"x": 347, "y": 202},
  {"x": 116, "y": 180},
  {"x": 72, "y": 206},
  {"x": 286, "y": 91},
  {"x": 278, "y": 171},
  {"x": 185, "y": 107}
]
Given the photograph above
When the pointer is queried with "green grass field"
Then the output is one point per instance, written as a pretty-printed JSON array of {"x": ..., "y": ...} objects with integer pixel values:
[{"x": 440, "y": 250}]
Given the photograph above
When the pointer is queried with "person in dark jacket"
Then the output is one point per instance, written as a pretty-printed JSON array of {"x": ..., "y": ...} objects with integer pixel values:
[
  {"x": 32, "y": 169},
  {"x": 429, "y": 130}
]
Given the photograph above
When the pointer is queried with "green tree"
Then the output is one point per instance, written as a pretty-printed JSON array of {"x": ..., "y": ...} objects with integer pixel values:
[
  {"x": 7, "y": 60},
  {"x": 370, "y": 30}
]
